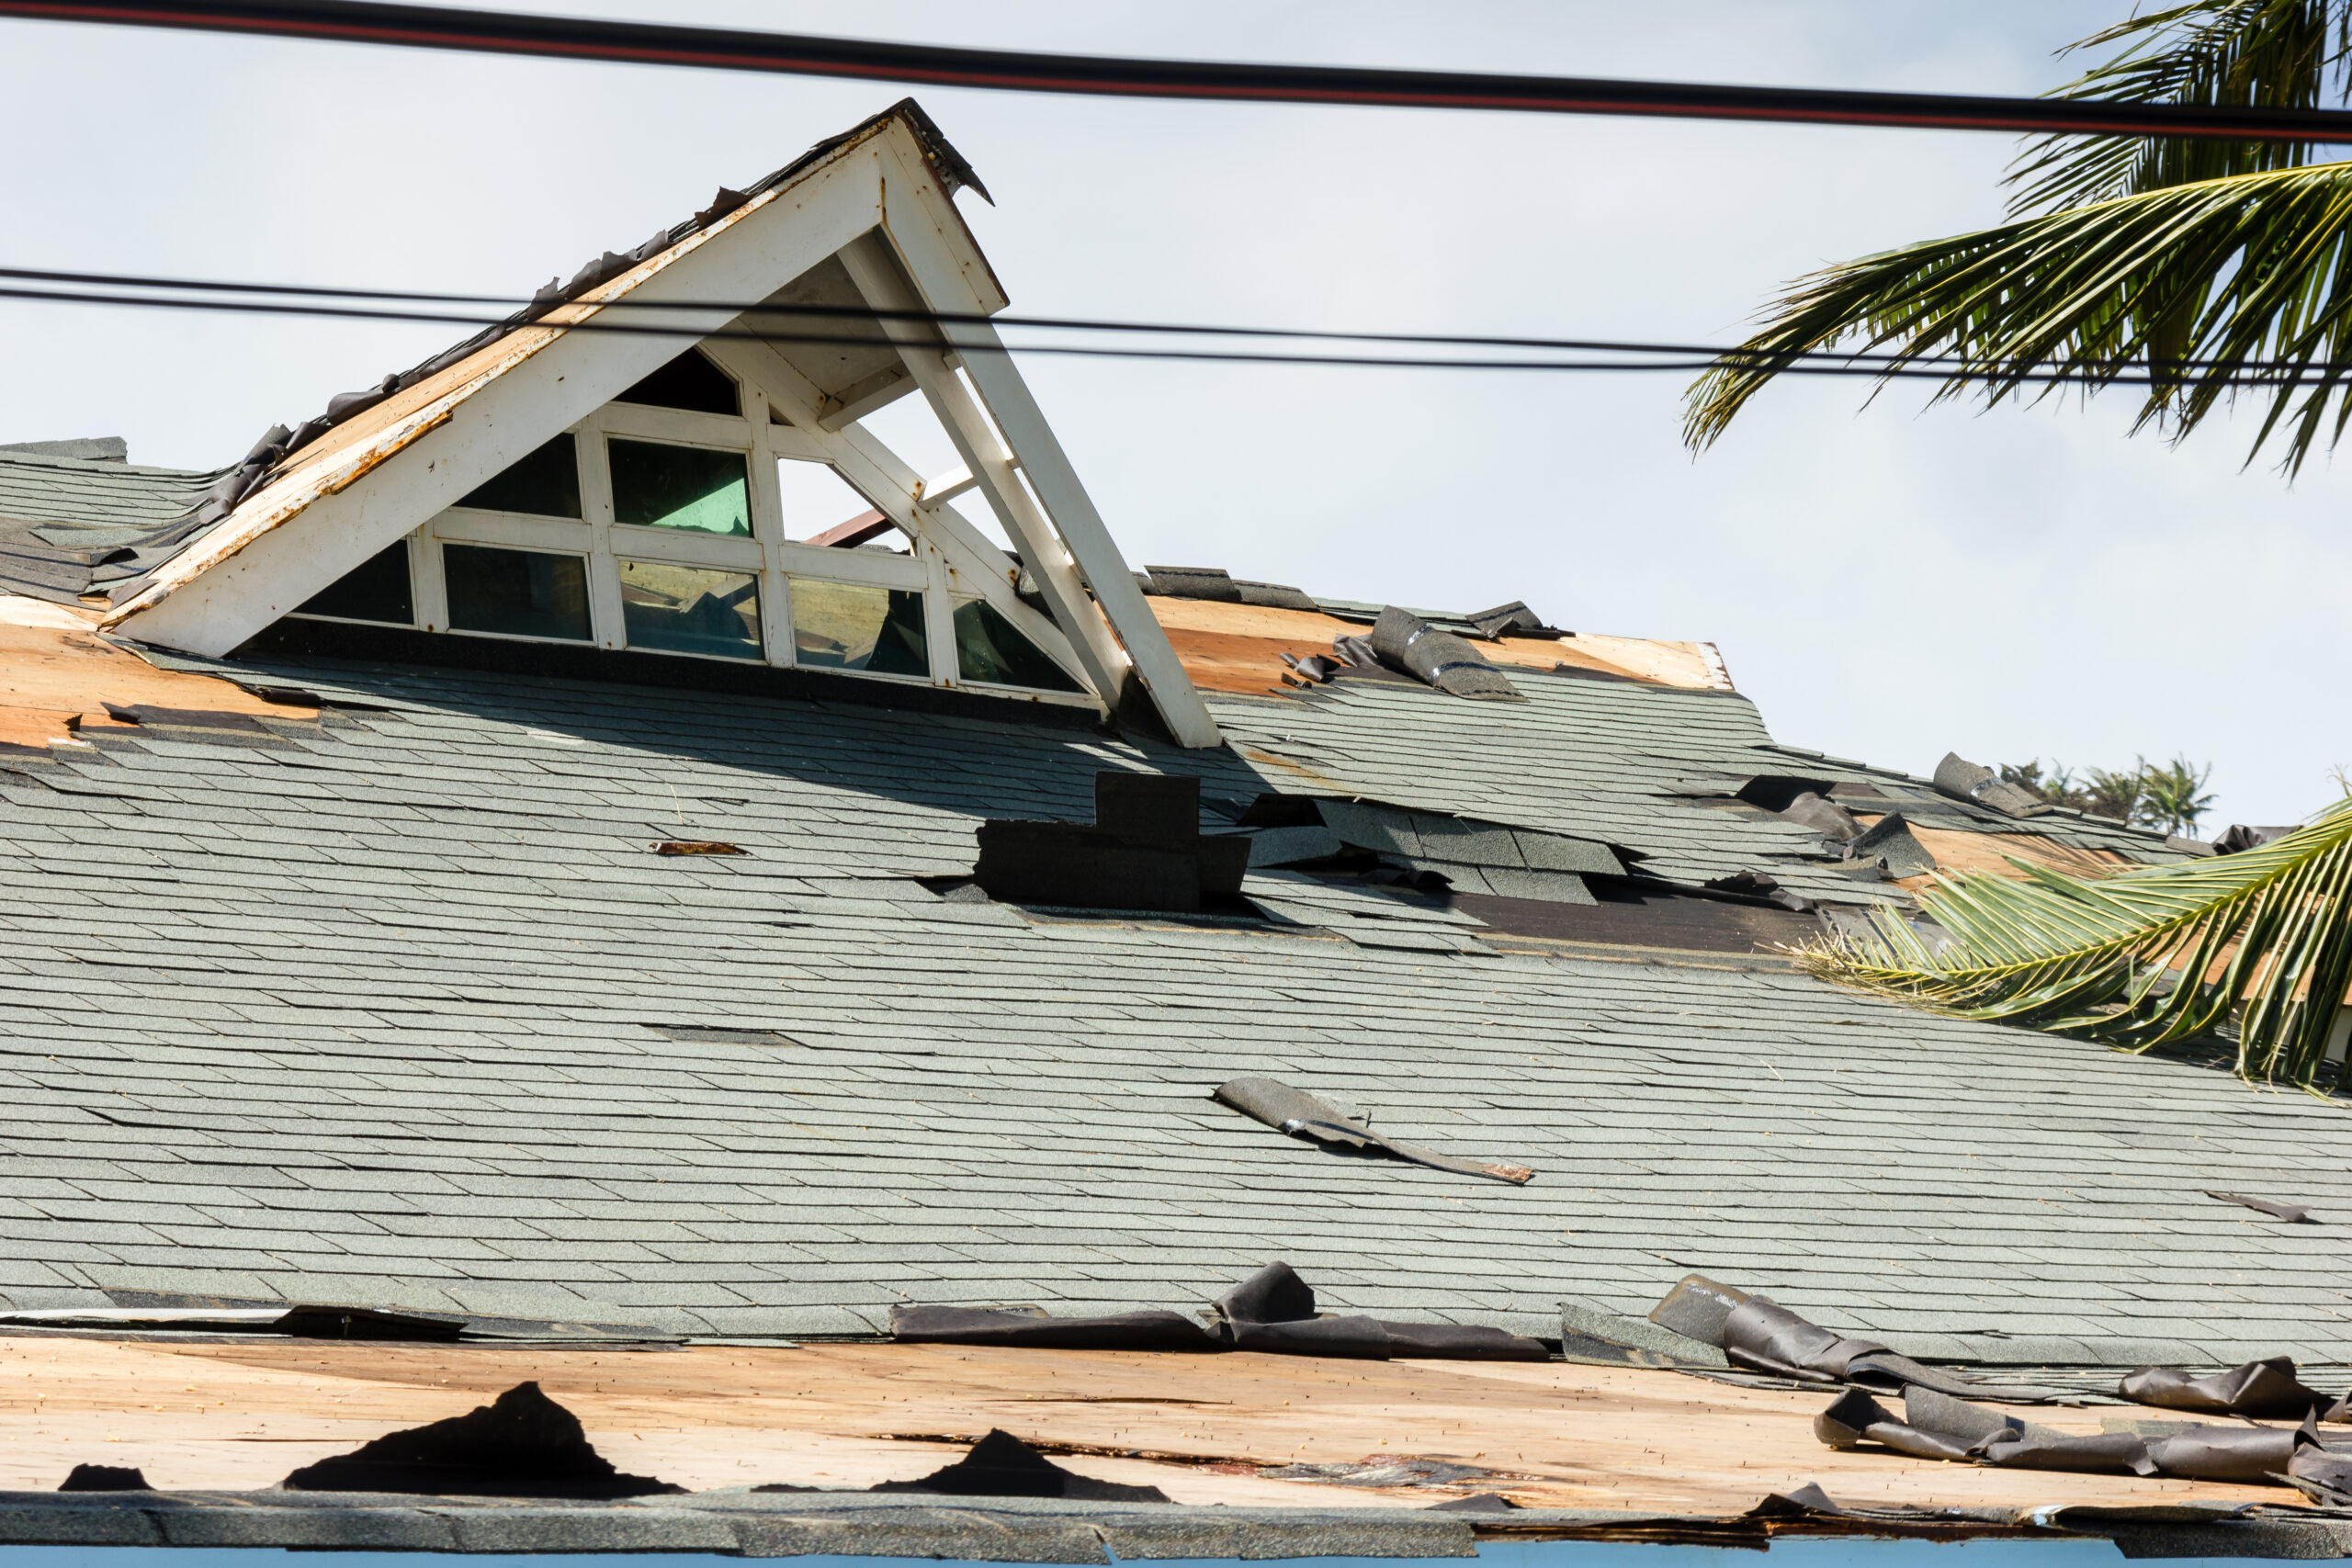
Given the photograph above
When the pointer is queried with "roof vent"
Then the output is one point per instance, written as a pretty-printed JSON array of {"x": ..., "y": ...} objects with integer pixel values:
[{"x": 1143, "y": 851}]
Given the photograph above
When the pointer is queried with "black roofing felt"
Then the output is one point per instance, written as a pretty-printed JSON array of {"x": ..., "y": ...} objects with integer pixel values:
[{"x": 398, "y": 1008}]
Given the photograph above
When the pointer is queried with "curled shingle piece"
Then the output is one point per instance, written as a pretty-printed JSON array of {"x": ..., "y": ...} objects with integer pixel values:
[
  {"x": 2262, "y": 1389},
  {"x": 1299, "y": 1113}
]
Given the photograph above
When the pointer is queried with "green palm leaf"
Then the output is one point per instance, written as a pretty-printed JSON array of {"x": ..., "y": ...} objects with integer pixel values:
[
  {"x": 2201, "y": 286},
  {"x": 2260, "y": 941},
  {"x": 2201, "y": 270},
  {"x": 2250, "y": 53}
]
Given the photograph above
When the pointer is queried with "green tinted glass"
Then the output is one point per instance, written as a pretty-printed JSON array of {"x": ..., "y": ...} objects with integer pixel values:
[
  {"x": 852, "y": 625},
  {"x": 545, "y": 484},
  {"x": 689, "y": 609},
  {"x": 520, "y": 592},
  {"x": 680, "y": 487},
  {"x": 989, "y": 647}
]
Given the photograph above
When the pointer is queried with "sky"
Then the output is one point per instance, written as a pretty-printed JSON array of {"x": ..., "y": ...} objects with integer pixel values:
[{"x": 1888, "y": 580}]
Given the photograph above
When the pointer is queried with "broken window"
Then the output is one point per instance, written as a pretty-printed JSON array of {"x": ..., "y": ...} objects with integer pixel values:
[
  {"x": 991, "y": 648},
  {"x": 516, "y": 592},
  {"x": 814, "y": 499},
  {"x": 689, "y": 609},
  {"x": 658, "y": 486},
  {"x": 691, "y": 382},
  {"x": 852, "y": 625},
  {"x": 545, "y": 484},
  {"x": 375, "y": 589}
]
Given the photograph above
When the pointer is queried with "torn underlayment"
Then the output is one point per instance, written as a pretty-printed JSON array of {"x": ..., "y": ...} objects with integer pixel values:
[
  {"x": 1937, "y": 1425},
  {"x": 1300, "y": 1114},
  {"x": 1272, "y": 1310},
  {"x": 2267, "y": 1389},
  {"x": 1001, "y": 1465},
  {"x": 523, "y": 1444}
]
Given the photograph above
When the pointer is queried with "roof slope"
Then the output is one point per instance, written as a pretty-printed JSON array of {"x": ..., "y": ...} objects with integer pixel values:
[
  {"x": 395, "y": 1006},
  {"x": 71, "y": 526}
]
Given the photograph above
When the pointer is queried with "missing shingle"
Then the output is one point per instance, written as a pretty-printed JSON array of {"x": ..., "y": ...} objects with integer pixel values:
[{"x": 696, "y": 847}]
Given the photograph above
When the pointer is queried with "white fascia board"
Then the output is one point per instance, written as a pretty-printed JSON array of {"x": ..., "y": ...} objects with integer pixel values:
[
  {"x": 924, "y": 237},
  {"x": 319, "y": 522}
]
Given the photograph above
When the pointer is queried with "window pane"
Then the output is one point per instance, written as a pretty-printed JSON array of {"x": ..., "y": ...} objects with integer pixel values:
[
  {"x": 849, "y": 625},
  {"x": 375, "y": 589},
  {"x": 689, "y": 382},
  {"x": 689, "y": 610},
  {"x": 545, "y": 484},
  {"x": 989, "y": 647},
  {"x": 680, "y": 487},
  {"x": 521, "y": 592}
]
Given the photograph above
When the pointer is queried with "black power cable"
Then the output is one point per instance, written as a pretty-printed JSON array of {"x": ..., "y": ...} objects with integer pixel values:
[
  {"x": 1803, "y": 362},
  {"x": 653, "y": 44}
]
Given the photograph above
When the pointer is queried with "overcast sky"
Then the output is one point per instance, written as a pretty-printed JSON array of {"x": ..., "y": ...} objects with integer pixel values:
[{"x": 1888, "y": 583}]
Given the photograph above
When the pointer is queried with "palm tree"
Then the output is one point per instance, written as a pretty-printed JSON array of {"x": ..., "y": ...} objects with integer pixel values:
[{"x": 2200, "y": 272}]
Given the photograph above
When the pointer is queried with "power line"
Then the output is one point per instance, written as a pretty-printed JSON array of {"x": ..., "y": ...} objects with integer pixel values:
[
  {"x": 654, "y": 43},
  {"x": 863, "y": 312},
  {"x": 1651, "y": 358}
]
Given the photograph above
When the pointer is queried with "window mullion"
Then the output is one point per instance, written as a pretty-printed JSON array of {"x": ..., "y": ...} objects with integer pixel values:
[
  {"x": 605, "y": 622},
  {"x": 767, "y": 527}
]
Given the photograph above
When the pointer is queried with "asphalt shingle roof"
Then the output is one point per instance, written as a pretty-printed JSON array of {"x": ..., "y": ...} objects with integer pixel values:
[{"x": 397, "y": 1008}]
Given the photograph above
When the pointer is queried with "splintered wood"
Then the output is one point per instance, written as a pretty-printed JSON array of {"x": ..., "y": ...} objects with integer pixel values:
[
  {"x": 1202, "y": 1429},
  {"x": 57, "y": 675},
  {"x": 1239, "y": 648}
]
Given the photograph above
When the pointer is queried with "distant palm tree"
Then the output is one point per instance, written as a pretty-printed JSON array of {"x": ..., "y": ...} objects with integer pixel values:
[{"x": 2202, "y": 270}]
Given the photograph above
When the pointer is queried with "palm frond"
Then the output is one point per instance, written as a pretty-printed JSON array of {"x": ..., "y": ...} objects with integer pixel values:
[
  {"x": 2200, "y": 292},
  {"x": 2249, "y": 53},
  {"x": 2260, "y": 941}
]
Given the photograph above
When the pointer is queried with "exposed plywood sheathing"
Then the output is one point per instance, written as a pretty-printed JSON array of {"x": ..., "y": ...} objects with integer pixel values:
[
  {"x": 1989, "y": 852},
  {"x": 57, "y": 674},
  {"x": 1239, "y": 648},
  {"x": 241, "y": 1414}
]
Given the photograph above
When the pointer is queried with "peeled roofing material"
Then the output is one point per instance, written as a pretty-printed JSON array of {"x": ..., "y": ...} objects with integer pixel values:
[
  {"x": 2265, "y": 1388},
  {"x": 1273, "y": 1310},
  {"x": 1300, "y": 1114},
  {"x": 1402, "y": 640},
  {"x": 521, "y": 1445},
  {"x": 1935, "y": 1425}
]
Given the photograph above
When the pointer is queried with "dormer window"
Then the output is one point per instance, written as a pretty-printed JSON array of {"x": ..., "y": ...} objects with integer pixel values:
[{"x": 657, "y": 525}]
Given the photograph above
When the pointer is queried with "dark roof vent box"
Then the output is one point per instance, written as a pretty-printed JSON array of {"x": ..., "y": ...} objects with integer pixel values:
[{"x": 1143, "y": 851}]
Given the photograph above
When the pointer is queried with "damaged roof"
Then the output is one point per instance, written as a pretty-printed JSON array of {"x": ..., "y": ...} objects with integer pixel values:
[{"x": 396, "y": 1005}]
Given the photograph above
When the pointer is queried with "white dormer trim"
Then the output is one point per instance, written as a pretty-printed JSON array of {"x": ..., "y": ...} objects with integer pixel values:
[{"x": 878, "y": 203}]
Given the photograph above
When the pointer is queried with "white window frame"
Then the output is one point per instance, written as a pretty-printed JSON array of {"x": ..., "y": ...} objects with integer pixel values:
[{"x": 945, "y": 576}]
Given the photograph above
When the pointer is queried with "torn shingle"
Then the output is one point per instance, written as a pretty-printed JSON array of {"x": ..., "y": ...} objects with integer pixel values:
[
  {"x": 1890, "y": 845},
  {"x": 2264, "y": 1390},
  {"x": 1964, "y": 780},
  {"x": 1403, "y": 642},
  {"x": 2294, "y": 1213},
  {"x": 1300, "y": 1114}
]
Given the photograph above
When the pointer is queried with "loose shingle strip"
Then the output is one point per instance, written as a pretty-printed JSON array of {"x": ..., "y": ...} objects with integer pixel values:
[
  {"x": 2260, "y": 1389},
  {"x": 1299, "y": 1113}
]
